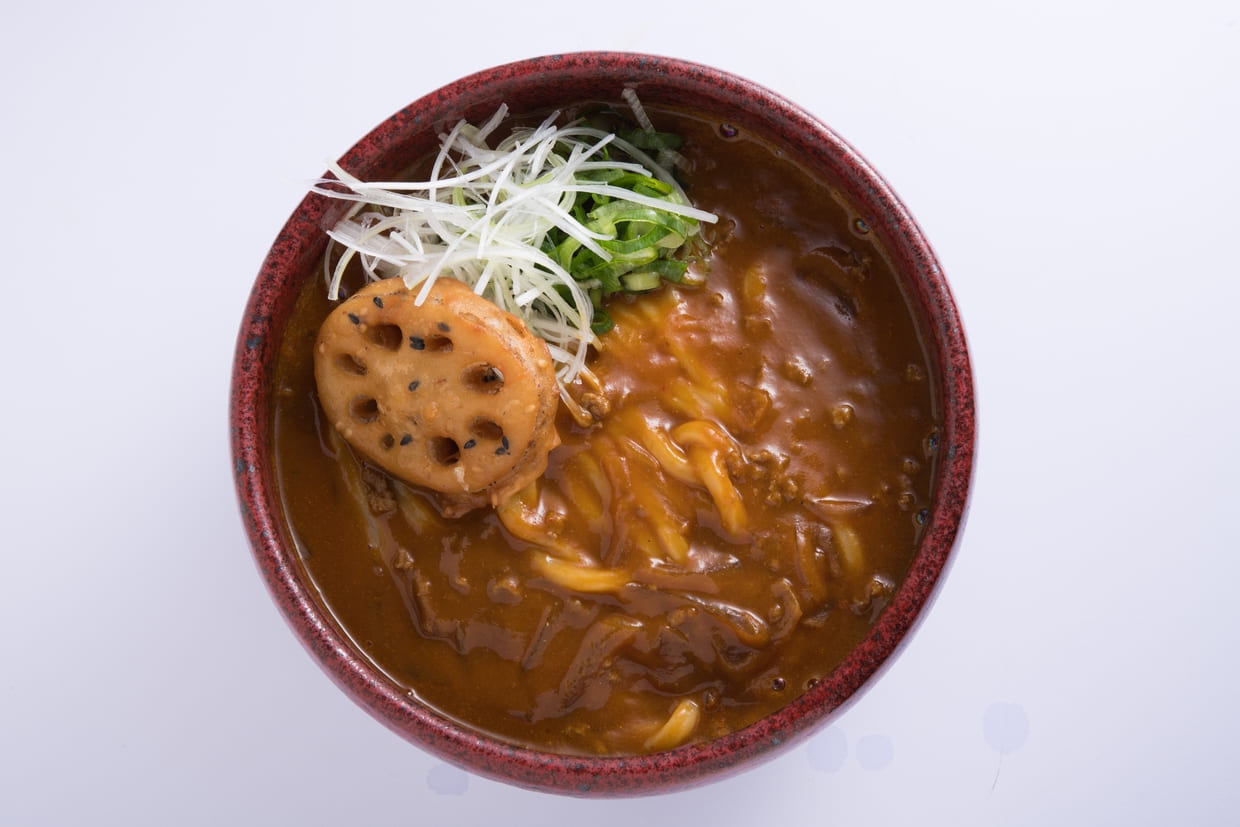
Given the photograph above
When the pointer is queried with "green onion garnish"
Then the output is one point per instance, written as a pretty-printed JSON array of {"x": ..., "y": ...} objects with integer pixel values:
[{"x": 546, "y": 224}]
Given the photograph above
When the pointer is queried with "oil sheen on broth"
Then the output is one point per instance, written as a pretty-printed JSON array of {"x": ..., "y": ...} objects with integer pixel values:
[{"x": 716, "y": 545}]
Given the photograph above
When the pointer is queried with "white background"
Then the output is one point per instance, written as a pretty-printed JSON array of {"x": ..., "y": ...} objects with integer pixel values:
[{"x": 1074, "y": 165}]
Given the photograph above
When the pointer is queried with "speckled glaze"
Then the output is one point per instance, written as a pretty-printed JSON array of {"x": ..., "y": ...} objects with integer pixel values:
[{"x": 545, "y": 82}]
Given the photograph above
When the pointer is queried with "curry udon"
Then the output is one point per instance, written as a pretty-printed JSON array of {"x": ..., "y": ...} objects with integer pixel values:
[{"x": 716, "y": 536}]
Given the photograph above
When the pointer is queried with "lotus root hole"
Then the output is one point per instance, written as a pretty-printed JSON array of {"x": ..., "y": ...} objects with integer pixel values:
[
  {"x": 439, "y": 344},
  {"x": 485, "y": 428},
  {"x": 386, "y": 336},
  {"x": 364, "y": 409},
  {"x": 443, "y": 450},
  {"x": 483, "y": 378},
  {"x": 348, "y": 363}
]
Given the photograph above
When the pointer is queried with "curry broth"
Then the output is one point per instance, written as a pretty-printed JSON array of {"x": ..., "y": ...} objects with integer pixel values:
[{"x": 804, "y": 343}]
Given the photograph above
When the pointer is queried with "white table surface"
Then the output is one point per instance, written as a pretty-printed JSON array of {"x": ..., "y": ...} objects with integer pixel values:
[{"x": 1074, "y": 165}]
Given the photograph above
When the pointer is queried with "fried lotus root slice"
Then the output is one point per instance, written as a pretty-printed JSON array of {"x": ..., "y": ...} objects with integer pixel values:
[{"x": 455, "y": 395}]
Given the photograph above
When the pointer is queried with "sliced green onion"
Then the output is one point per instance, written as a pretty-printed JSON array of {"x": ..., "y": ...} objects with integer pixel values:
[
  {"x": 602, "y": 322},
  {"x": 642, "y": 139},
  {"x": 642, "y": 281}
]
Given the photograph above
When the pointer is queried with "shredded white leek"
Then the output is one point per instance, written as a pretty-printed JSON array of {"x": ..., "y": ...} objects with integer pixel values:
[{"x": 484, "y": 217}]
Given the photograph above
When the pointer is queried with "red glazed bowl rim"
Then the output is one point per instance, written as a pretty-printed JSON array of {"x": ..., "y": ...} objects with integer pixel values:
[{"x": 541, "y": 82}]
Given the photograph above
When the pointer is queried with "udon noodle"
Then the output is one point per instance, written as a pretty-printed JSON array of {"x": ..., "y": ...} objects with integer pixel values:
[{"x": 735, "y": 508}]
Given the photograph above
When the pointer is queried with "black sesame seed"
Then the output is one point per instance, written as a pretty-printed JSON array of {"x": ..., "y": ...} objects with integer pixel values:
[
  {"x": 470, "y": 444},
  {"x": 353, "y": 318},
  {"x": 503, "y": 447},
  {"x": 444, "y": 327},
  {"x": 417, "y": 343},
  {"x": 378, "y": 302},
  {"x": 413, "y": 386},
  {"x": 406, "y": 439}
]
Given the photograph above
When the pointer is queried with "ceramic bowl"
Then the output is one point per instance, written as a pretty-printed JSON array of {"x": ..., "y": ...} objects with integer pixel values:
[{"x": 544, "y": 83}]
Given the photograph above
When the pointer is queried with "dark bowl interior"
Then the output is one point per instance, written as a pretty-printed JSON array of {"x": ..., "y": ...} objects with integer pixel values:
[{"x": 543, "y": 83}]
